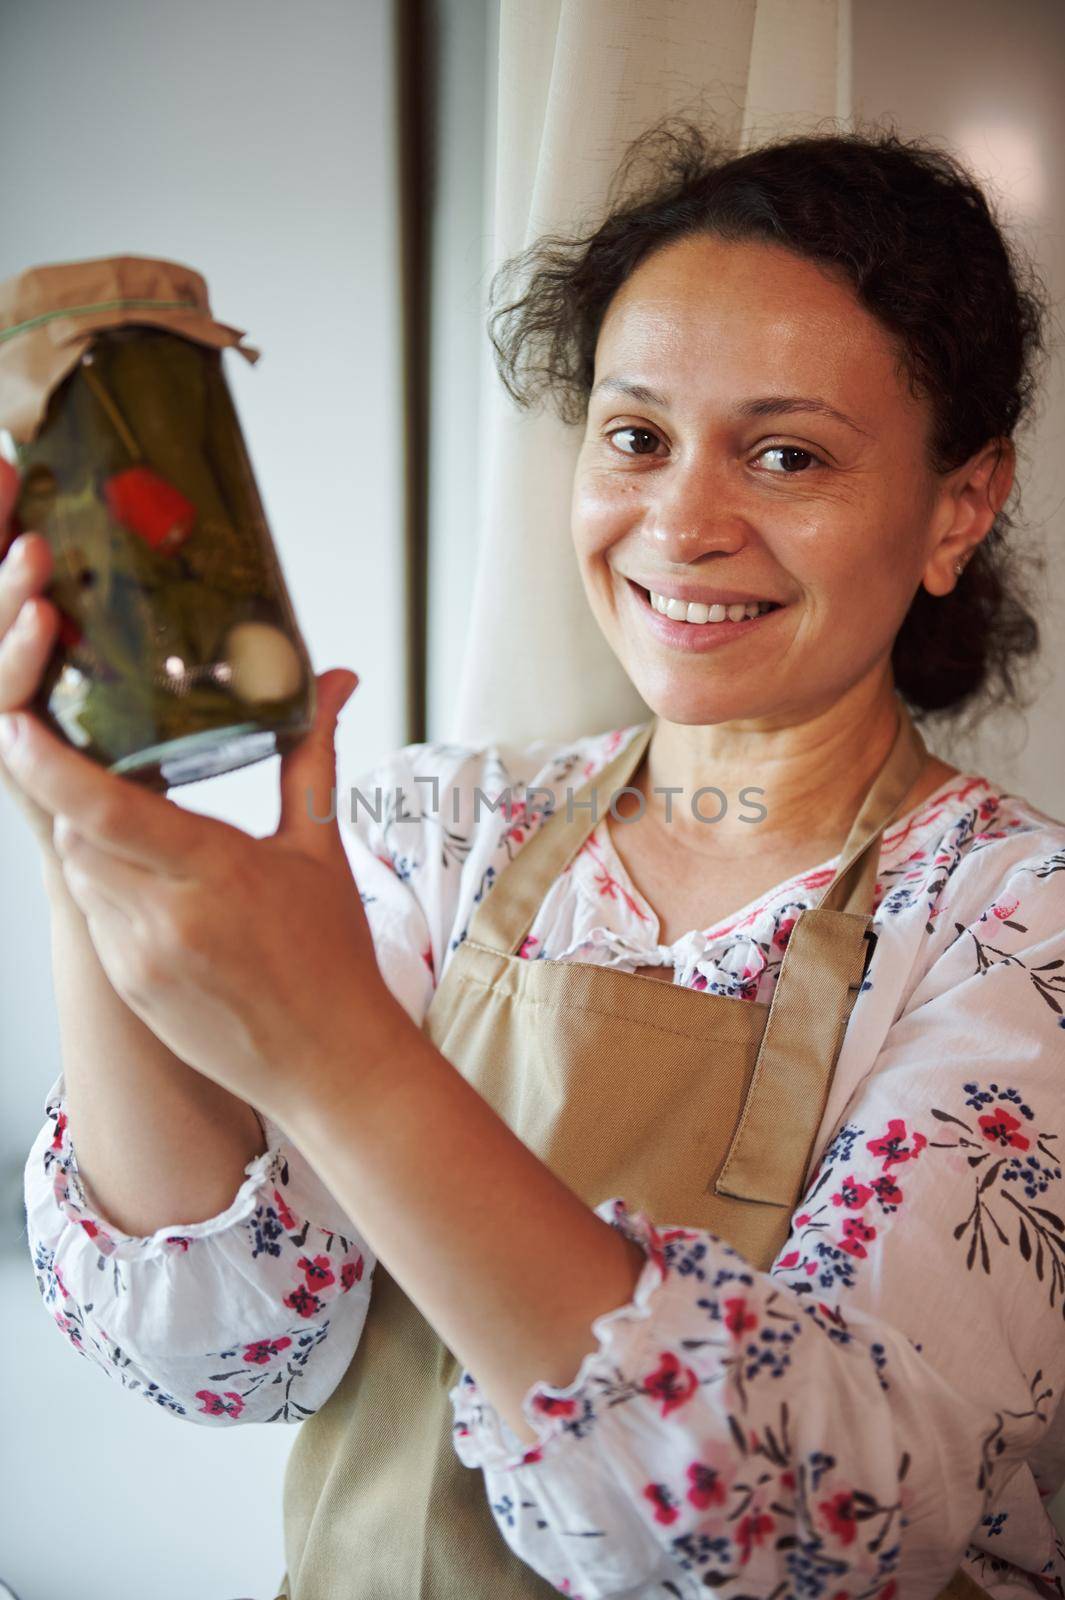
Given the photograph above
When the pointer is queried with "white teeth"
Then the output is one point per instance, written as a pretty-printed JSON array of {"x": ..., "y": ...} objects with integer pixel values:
[{"x": 693, "y": 611}]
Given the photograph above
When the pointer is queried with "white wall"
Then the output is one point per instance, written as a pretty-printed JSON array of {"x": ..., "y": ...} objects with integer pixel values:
[{"x": 252, "y": 139}]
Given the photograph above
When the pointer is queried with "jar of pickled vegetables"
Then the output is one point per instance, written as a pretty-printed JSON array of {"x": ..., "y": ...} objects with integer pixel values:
[{"x": 178, "y": 655}]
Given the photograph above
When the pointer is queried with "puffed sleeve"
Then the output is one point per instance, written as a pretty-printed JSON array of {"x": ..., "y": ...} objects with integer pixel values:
[
  {"x": 253, "y": 1315},
  {"x": 853, "y": 1421}
]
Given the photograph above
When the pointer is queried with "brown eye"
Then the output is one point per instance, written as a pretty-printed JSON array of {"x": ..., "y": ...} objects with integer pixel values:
[
  {"x": 646, "y": 440},
  {"x": 793, "y": 459}
]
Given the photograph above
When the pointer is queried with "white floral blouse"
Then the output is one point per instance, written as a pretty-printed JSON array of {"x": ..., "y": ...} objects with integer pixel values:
[{"x": 882, "y": 1403}]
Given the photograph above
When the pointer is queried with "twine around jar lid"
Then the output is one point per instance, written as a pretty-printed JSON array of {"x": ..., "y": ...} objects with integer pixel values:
[{"x": 49, "y": 316}]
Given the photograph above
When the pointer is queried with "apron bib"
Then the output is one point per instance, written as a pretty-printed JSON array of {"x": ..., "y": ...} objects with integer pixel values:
[{"x": 700, "y": 1110}]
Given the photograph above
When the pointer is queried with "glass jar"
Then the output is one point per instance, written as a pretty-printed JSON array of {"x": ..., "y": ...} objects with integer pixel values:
[{"x": 178, "y": 655}]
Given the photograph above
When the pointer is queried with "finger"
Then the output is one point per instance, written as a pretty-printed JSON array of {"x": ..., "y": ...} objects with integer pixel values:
[
  {"x": 24, "y": 651},
  {"x": 97, "y": 878},
  {"x": 133, "y": 823},
  {"x": 309, "y": 772},
  {"x": 28, "y": 558},
  {"x": 25, "y": 571}
]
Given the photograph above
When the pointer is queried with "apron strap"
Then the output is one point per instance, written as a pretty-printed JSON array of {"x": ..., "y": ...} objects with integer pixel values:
[
  {"x": 818, "y": 982},
  {"x": 501, "y": 921},
  {"x": 825, "y": 962},
  {"x": 854, "y": 885}
]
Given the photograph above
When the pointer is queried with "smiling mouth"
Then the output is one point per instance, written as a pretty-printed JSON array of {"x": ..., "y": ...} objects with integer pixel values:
[{"x": 695, "y": 614}]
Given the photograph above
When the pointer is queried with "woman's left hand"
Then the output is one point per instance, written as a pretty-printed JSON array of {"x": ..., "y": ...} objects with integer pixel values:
[{"x": 251, "y": 959}]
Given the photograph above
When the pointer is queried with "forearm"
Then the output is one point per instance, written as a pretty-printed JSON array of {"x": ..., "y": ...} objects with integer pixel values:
[
  {"x": 508, "y": 1264},
  {"x": 156, "y": 1142}
]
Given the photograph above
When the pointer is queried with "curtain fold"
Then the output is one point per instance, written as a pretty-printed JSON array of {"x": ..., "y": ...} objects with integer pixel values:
[{"x": 577, "y": 81}]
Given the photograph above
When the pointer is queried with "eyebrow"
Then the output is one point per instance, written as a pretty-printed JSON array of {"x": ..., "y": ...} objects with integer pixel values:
[{"x": 762, "y": 406}]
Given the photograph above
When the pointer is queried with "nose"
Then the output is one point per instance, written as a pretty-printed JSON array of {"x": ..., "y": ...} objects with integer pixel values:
[{"x": 696, "y": 515}]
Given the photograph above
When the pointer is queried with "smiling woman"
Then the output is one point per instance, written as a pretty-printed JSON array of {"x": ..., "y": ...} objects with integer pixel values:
[
  {"x": 798, "y": 372},
  {"x": 748, "y": 1282}
]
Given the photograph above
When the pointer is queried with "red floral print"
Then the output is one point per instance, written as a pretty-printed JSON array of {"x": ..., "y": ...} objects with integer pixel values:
[
  {"x": 264, "y": 1350},
  {"x": 303, "y": 1301},
  {"x": 289, "y": 1222},
  {"x": 517, "y": 813},
  {"x": 839, "y": 1514},
  {"x": 887, "y": 1190},
  {"x": 852, "y": 1193},
  {"x": 707, "y": 1486},
  {"x": 318, "y": 1272},
  {"x": 350, "y": 1272},
  {"x": 1000, "y": 1128},
  {"x": 892, "y": 1146},
  {"x": 607, "y": 884},
  {"x": 228, "y": 1404},
  {"x": 738, "y": 1318},
  {"x": 552, "y": 1407},
  {"x": 671, "y": 1383},
  {"x": 856, "y": 1235},
  {"x": 753, "y": 1529},
  {"x": 665, "y": 1506}
]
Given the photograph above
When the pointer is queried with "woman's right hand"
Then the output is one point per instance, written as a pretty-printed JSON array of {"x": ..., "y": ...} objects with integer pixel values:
[{"x": 29, "y": 625}]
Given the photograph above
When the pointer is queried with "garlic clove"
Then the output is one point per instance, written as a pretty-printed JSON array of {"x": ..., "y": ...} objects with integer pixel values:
[{"x": 263, "y": 663}]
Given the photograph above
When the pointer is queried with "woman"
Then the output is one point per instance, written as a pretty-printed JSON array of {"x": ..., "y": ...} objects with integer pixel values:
[{"x": 748, "y": 1282}]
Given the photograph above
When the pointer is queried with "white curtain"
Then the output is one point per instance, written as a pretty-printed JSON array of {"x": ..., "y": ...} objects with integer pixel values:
[{"x": 578, "y": 80}]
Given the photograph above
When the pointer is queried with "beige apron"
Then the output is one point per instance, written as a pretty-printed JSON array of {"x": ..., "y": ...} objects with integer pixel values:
[{"x": 698, "y": 1109}]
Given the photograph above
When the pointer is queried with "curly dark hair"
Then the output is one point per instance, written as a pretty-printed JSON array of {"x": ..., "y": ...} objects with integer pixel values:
[{"x": 923, "y": 250}]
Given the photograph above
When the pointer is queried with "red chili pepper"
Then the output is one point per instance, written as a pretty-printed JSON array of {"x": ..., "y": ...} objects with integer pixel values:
[{"x": 148, "y": 506}]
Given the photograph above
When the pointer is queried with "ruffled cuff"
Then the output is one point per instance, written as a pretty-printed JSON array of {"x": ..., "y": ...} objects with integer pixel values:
[
  {"x": 252, "y": 1315},
  {"x": 482, "y": 1438},
  {"x": 77, "y": 1205}
]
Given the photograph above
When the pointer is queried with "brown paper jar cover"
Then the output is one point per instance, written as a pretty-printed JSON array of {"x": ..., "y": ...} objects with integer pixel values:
[
  {"x": 49, "y": 314},
  {"x": 178, "y": 654}
]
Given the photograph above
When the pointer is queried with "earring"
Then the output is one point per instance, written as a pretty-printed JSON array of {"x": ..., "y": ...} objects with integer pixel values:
[{"x": 959, "y": 566}]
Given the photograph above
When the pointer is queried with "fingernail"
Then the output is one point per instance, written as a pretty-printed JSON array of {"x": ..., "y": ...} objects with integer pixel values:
[{"x": 8, "y": 731}]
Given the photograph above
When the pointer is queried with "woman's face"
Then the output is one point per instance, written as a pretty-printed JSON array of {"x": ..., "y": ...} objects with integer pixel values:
[{"x": 750, "y": 438}]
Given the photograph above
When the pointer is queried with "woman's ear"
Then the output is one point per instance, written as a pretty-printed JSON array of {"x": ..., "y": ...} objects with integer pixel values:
[{"x": 969, "y": 500}]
